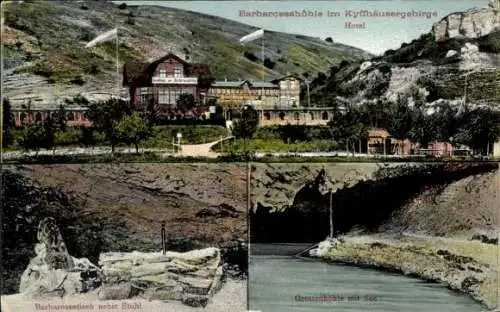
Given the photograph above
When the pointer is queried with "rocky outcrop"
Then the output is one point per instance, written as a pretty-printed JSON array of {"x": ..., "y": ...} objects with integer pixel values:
[
  {"x": 472, "y": 58},
  {"x": 192, "y": 277},
  {"x": 474, "y": 23},
  {"x": 53, "y": 272},
  {"x": 276, "y": 185},
  {"x": 380, "y": 203}
]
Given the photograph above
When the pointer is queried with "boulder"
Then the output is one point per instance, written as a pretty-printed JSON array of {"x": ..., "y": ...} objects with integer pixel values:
[
  {"x": 474, "y": 23},
  {"x": 119, "y": 291},
  {"x": 324, "y": 247},
  {"x": 451, "y": 53},
  {"x": 186, "y": 276},
  {"x": 53, "y": 272}
]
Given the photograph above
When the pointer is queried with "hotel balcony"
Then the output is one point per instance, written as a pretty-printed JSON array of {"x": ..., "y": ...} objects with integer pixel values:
[{"x": 175, "y": 80}]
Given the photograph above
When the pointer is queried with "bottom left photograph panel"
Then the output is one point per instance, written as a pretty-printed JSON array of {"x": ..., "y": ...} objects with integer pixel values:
[{"x": 115, "y": 237}]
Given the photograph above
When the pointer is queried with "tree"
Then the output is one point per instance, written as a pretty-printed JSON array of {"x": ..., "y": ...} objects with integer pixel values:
[
  {"x": 87, "y": 136},
  {"x": 246, "y": 126},
  {"x": 423, "y": 128},
  {"x": 400, "y": 119},
  {"x": 104, "y": 117},
  {"x": 269, "y": 63},
  {"x": 348, "y": 128},
  {"x": 133, "y": 129},
  {"x": 49, "y": 134},
  {"x": 479, "y": 127},
  {"x": 60, "y": 118},
  {"x": 186, "y": 102},
  {"x": 329, "y": 39},
  {"x": 33, "y": 137},
  {"x": 8, "y": 123}
]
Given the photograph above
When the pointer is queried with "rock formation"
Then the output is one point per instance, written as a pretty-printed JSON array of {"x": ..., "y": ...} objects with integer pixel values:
[
  {"x": 191, "y": 277},
  {"x": 474, "y": 23},
  {"x": 53, "y": 272}
]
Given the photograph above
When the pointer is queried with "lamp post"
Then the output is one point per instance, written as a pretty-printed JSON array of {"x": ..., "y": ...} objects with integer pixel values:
[
  {"x": 331, "y": 214},
  {"x": 179, "y": 137},
  {"x": 308, "y": 97}
]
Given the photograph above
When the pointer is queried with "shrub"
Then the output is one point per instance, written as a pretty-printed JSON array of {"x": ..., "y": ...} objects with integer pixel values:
[
  {"x": 269, "y": 63},
  {"x": 130, "y": 21},
  {"x": 69, "y": 137},
  {"x": 329, "y": 39},
  {"x": 250, "y": 56},
  {"x": 78, "y": 80},
  {"x": 93, "y": 70},
  {"x": 122, "y": 6}
]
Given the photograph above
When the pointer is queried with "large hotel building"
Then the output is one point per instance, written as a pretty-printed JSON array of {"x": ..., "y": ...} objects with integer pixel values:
[{"x": 162, "y": 82}]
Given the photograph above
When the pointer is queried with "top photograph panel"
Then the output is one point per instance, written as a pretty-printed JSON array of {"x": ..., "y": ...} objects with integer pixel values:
[{"x": 168, "y": 81}]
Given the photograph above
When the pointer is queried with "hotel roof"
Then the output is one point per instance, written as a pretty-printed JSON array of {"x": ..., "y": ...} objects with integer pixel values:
[{"x": 240, "y": 83}]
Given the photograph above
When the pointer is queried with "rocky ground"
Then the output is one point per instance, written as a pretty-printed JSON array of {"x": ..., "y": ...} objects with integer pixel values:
[
  {"x": 232, "y": 297},
  {"x": 120, "y": 207},
  {"x": 467, "y": 266}
]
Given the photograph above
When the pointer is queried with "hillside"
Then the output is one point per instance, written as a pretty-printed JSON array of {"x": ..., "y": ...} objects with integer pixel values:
[
  {"x": 44, "y": 54},
  {"x": 459, "y": 58}
]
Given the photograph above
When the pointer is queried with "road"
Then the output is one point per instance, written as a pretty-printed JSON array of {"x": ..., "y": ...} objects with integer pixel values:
[{"x": 187, "y": 150}]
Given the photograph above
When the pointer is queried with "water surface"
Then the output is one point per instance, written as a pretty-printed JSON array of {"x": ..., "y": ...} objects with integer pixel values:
[{"x": 288, "y": 284}]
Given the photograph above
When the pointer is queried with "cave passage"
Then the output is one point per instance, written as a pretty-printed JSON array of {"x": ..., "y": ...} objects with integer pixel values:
[{"x": 366, "y": 205}]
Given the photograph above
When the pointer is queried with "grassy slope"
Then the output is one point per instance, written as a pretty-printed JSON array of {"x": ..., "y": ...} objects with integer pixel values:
[
  {"x": 446, "y": 82},
  {"x": 53, "y": 35}
]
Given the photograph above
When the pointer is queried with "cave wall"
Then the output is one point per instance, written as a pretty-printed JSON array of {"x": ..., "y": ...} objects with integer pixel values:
[{"x": 368, "y": 204}]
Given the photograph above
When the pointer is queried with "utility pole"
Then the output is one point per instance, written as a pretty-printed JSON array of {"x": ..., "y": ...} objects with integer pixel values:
[
  {"x": 163, "y": 238},
  {"x": 331, "y": 214}
]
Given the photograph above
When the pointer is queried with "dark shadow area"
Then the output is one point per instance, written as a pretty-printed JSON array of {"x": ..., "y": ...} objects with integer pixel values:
[{"x": 366, "y": 205}]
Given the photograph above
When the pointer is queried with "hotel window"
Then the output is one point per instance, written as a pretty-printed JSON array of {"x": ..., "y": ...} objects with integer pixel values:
[
  {"x": 163, "y": 97},
  {"x": 163, "y": 73},
  {"x": 70, "y": 116},
  {"x": 144, "y": 95},
  {"x": 177, "y": 72}
]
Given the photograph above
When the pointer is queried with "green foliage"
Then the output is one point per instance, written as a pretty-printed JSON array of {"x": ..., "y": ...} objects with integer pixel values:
[
  {"x": 349, "y": 128},
  {"x": 67, "y": 137},
  {"x": 130, "y": 20},
  {"x": 133, "y": 129},
  {"x": 274, "y": 145},
  {"x": 60, "y": 118},
  {"x": 401, "y": 119},
  {"x": 490, "y": 43},
  {"x": 34, "y": 135},
  {"x": 104, "y": 117},
  {"x": 49, "y": 134},
  {"x": 269, "y": 63},
  {"x": 246, "y": 126},
  {"x": 162, "y": 135},
  {"x": 250, "y": 56},
  {"x": 7, "y": 123}
]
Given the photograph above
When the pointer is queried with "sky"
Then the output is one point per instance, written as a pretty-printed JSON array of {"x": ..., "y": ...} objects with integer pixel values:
[{"x": 379, "y": 34}]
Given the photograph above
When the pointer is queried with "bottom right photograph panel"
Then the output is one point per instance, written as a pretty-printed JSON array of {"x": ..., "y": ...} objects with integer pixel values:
[{"x": 374, "y": 237}]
